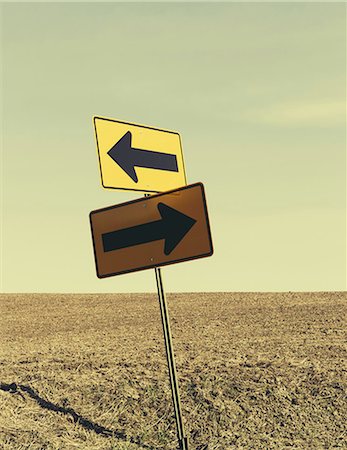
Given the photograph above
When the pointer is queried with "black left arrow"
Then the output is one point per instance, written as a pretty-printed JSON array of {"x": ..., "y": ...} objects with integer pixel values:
[
  {"x": 172, "y": 227},
  {"x": 128, "y": 157}
]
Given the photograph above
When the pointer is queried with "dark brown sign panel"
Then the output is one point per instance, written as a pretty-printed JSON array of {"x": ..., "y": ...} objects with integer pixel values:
[{"x": 152, "y": 231}]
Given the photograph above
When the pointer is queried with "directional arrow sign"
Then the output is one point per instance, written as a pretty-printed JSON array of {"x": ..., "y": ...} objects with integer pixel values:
[
  {"x": 151, "y": 231},
  {"x": 127, "y": 157},
  {"x": 172, "y": 227},
  {"x": 136, "y": 157}
]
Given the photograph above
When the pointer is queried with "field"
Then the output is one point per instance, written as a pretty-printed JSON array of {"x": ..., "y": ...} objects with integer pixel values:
[{"x": 256, "y": 371}]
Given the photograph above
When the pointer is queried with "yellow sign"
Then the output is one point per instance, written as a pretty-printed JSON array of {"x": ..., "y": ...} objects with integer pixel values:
[{"x": 137, "y": 157}]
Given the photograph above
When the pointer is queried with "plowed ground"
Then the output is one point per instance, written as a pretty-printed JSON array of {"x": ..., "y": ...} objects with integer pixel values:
[{"x": 256, "y": 371}]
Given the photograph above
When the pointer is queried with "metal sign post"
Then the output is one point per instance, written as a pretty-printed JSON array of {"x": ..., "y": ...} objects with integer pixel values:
[
  {"x": 182, "y": 439},
  {"x": 164, "y": 313}
]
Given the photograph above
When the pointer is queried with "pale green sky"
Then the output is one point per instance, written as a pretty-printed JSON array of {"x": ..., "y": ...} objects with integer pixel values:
[{"x": 259, "y": 87}]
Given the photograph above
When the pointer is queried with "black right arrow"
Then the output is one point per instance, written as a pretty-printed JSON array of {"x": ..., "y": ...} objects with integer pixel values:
[
  {"x": 172, "y": 227},
  {"x": 127, "y": 157}
]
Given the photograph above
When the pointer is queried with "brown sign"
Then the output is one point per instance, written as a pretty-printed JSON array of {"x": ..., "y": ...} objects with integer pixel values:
[{"x": 152, "y": 231}]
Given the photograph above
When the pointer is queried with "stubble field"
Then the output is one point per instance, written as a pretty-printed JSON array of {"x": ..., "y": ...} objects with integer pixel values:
[{"x": 256, "y": 371}]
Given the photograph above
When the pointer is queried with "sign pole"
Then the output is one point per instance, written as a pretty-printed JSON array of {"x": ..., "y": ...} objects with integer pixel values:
[
  {"x": 182, "y": 439},
  {"x": 164, "y": 312}
]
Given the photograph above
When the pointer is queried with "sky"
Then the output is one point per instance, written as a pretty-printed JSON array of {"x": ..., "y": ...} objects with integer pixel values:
[{"x": 257, "y": 92}]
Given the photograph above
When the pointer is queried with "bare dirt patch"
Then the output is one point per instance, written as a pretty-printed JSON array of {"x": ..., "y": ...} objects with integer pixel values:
[{"x": 255, "y": 371}]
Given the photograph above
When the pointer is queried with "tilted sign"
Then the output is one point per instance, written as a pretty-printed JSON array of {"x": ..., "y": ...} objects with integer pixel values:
[
  {"x": 151, "y": 232},
  {"x": 137, "y": 157}
]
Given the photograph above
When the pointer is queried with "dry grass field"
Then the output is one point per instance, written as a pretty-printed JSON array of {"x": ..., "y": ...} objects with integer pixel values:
[{"x": 256, "y": 371}]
